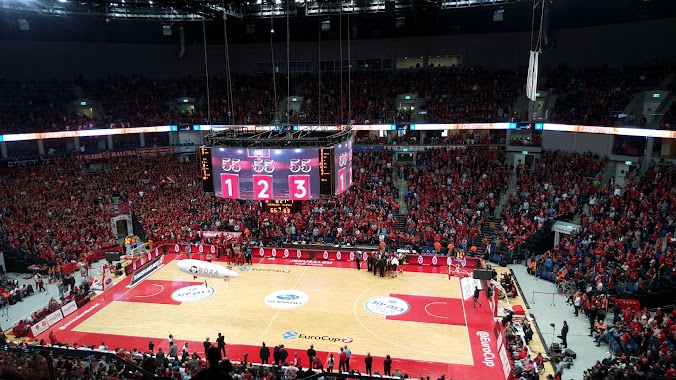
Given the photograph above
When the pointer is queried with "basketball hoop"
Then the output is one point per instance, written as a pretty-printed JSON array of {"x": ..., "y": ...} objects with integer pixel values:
[{"x": 456, "y": 270}]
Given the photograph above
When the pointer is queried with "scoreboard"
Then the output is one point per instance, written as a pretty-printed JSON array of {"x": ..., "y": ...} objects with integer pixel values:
[
  {"x": 204, "y": 159},
  {"x": 282, "y": 207},
  {"x": 276, "y": 174},
  {"x": 342, "y": 157},
  {"x": 266, "y": 174}
]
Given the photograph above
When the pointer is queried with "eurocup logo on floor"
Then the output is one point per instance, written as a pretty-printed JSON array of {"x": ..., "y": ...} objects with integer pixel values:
[
  {"x": 289, "y": 335},
  {"x": 286, "y": 299},
  {"x": 244, "y": 269},
  {"x": 192, "y": 293},
  {"x": 387, "y": 306}
]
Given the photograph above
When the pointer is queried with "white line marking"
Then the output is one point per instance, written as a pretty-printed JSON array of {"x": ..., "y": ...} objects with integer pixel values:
[
  {"x": 154, "y": 294},
  {"x": 278, "y": 310},
  {"x": 390, "y": 342},
  {"x": 435, "y": 303}
]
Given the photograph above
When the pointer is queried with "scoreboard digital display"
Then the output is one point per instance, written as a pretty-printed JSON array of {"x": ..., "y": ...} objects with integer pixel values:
[
  {"x": 206, "y": 170},
  {"x": 342, "y": 166},
  {"x": 326, "y": 183},
  {"x": 282, "y": 207},
  {"x": 266, "y": 174}
]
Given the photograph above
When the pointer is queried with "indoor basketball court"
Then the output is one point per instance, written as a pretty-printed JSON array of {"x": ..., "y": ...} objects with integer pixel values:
[{"x": 423, "y": 320}]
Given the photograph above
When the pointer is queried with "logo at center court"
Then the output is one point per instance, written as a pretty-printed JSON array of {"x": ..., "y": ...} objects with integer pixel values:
[
  {"x": 289, "y": 335},
  {"x": 387, "y": 306},
  {"x": 286, "y": 299},
  {"x": 192, "y": 293}
]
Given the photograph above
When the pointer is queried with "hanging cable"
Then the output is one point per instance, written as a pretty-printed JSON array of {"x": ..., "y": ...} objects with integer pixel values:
[
  {"x": 274, "y": 78},
  {"x": 536, "y": 45},
  {"x": 349, "y": 74},
  {"x": 288, "y": 69},
  {"x": 319, "y": 71},
  {"x": 206, "y": 67},
  {"x": 228, "y": 77},
  {"x": 340, "y": 43}
]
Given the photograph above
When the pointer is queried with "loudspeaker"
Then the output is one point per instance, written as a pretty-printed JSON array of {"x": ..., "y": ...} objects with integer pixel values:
[
  {"x": 482, "y": 274},
  {"x": 181, "y": 43},
  {"x": 570, "y": 353}
]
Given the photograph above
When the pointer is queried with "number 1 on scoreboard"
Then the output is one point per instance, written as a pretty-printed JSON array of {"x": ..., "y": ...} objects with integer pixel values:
[
  {"x": 230, "y": 185},
  {"x": 341, "y": 180}
]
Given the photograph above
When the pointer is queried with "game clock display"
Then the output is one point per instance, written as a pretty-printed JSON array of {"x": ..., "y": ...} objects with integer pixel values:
[
  {"x": 266, "y": 174},
  {"x": 342, "y": 156}
]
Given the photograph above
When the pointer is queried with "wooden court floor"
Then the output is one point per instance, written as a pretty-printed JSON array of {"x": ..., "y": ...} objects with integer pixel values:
[{"x": 335, "y": 311}]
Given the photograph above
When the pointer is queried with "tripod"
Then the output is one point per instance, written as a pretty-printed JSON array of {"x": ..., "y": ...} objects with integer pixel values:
[{"x": 5, "y": 311}]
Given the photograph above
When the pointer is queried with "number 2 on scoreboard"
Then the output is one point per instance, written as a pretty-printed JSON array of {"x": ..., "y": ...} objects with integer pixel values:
[
  {"x": 262, "y": 187},
  {"x": 299, "y": 187},
  {"x": 230, "y": 185}
]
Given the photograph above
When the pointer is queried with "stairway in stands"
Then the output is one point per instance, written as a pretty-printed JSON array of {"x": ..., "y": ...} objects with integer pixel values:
[
  {"x": 402, "y": 216},
  {"x": 490, "y": 228},
  {"x": 401, "y": 222}
]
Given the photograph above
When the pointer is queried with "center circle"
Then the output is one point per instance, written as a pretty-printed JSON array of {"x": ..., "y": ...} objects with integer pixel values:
[
  {"x": 286, "y": 299},
  {"x": 192, "y": 293}
]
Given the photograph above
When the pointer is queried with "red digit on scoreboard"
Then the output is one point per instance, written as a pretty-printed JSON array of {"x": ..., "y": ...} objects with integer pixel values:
[
  {"x": 341, "y": 180},
  {"x": 262, "y": 187},
  {"x": 299, "y": 187},
  {"x": 230, "y": 185}
]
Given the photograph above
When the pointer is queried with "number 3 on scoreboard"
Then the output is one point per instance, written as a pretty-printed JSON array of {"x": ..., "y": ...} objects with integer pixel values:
[
  {"x": 299, "y": 187},
  {"x": 262, "y": 187},
  {"x": 230, "y": 185}
]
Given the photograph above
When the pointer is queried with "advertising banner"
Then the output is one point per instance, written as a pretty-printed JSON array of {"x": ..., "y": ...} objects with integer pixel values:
[
  {"x": 107, "y": 280},
  {"x": 54, "y": 317},
  {"x": 216, "y": 234},
  {"x": 39, "y": 328},
  {"x": 68, "y": 308},
  {"x": 146, "y": 270},
  {"x": 320, "y": 254},
  {"x": 153, "y": 151},
  {"x": 139, "y": 261}
]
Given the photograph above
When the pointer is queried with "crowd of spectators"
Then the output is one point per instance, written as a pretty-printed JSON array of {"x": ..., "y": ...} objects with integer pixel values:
[
  {"x": 434, "y": 138},
  {"x": 589, "y": 96},
  {"x": 55, "y": 212},
  {"x": 641, "y": 344},
  {"x": 625, "y": 244},
  {"x": 449, "y": 194},
  {"x": 448, "y": 95},
  {"x": 557, "y": 184},
  {"x": 358, "y": 216}
]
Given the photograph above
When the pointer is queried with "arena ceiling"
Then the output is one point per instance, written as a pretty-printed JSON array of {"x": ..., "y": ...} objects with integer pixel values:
[
  {"x": 196, "y": 10},
  {"x": 157, "y": 21}
]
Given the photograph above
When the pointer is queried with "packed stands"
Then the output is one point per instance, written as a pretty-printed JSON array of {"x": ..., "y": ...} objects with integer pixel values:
[
  {"x": 448, "y": 95},
  {"x": 32, "y": 106},
  {"x": 642, "y": 260},
  {"x": 449, "y": 194},
  {"x": 641, "y": 344},
  {"x": 557, "y": 185},
  {"x": 589, "y": 96}
]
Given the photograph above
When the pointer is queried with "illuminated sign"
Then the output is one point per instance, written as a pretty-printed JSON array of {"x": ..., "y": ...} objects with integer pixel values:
[
  {"x": 326, "y": 164},
  {"x": 206, "y": 169}
]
